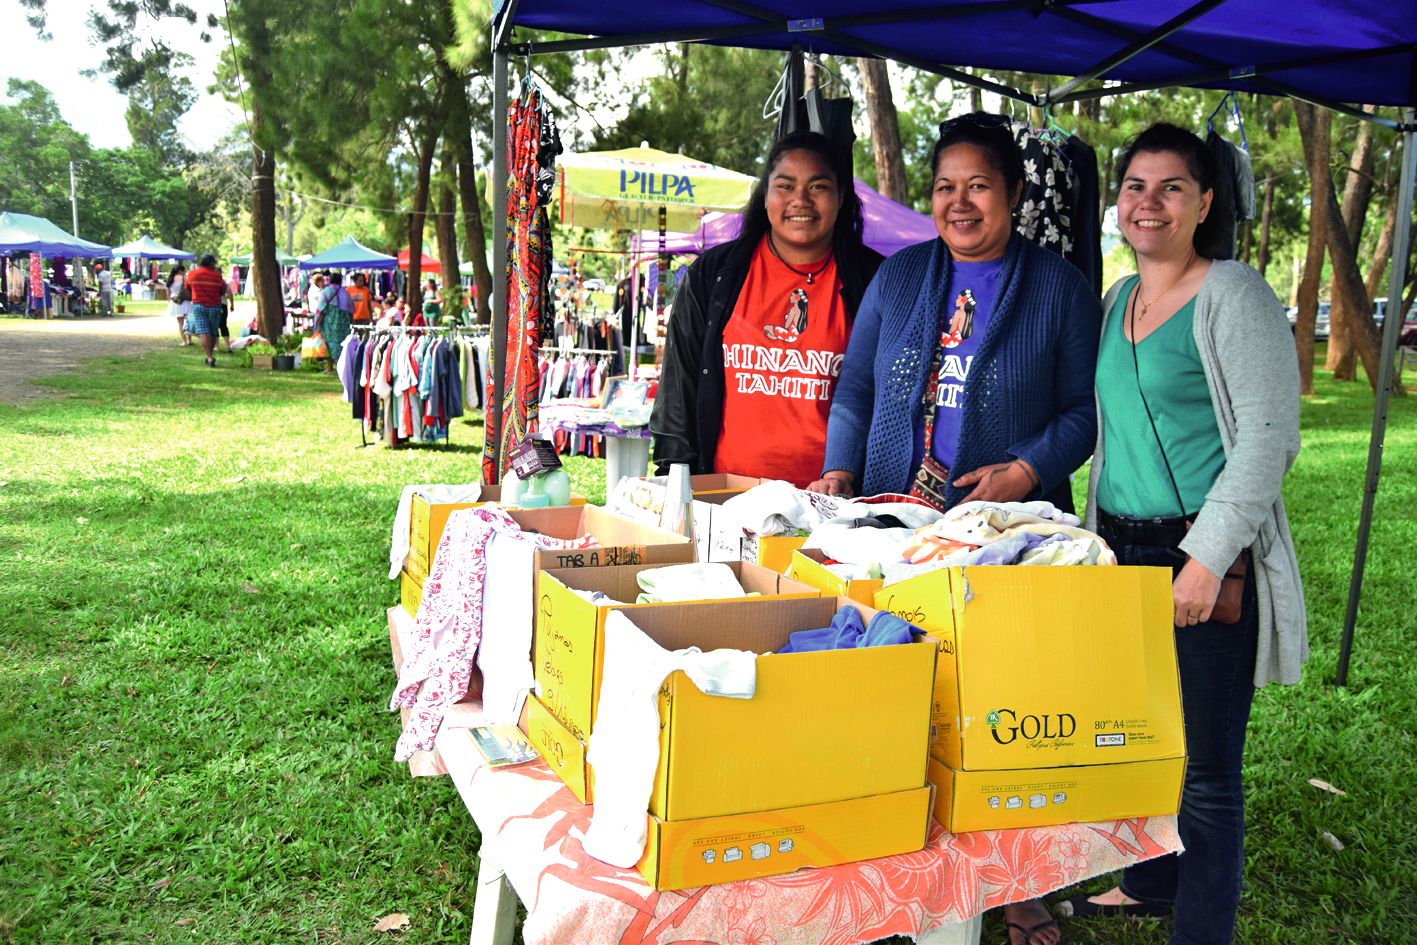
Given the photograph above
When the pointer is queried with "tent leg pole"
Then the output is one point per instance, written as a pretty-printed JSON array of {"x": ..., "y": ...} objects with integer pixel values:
[
  {"x": 1392, "y": 325},
  {"x": 499, "y": 251}
]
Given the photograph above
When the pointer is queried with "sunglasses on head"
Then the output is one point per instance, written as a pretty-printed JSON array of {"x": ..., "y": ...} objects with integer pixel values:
[{"x": 978, "y": 120}]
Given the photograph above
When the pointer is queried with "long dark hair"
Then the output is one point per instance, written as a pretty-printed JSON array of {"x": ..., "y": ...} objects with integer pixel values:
[
  {"x": 846, "y": 235},
  {"x": 177, "y": 270},
  {"x": 1162, "y": 138}
]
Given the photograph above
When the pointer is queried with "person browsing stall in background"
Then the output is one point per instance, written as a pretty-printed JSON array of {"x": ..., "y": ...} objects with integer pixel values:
[
  {"x": 360, "y": 298},
  {"x": 1198, "y": 394},
  {"x": 207, "y": 289},
  {"x": 969, "y": 375},
  {"x": 313, "y": 294},
  {"x": 332, "y": 322},
  {"x": 758, "y": 329},
  {"x": 104, "y": 278},
  {"x": 177, "y": 306},
  {"x": 432, "y": 303}
]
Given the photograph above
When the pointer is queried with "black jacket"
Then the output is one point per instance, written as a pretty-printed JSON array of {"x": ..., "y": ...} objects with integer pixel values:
[{"x": 688, "y": 410}]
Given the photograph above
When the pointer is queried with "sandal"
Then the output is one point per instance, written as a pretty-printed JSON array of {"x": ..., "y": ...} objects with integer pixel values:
[
  {"x": 1031, "y": 930},
  {"x": 1082, "y": 907},
  {"x": 210, "y": 362}
]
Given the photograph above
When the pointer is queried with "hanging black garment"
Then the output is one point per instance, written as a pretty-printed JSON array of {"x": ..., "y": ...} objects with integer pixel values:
[
  {"x": 1086, "y": 210},
  {"x": 1223, "y": 204}
]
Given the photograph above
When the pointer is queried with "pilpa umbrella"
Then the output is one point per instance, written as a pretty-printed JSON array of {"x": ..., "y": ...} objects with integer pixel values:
[{"x": 624, "y": 190}]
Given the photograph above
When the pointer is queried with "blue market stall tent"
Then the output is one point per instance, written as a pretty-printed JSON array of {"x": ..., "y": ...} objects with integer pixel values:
[
  {"x": 22, "y": 233},
  {"x": 349, "y": 253},
  {"x": 146, "y": 247},
  {"x": 1338, "y": 55}
]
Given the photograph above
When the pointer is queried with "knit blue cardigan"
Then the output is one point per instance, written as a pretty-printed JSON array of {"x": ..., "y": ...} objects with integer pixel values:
[{"x": 1029, "y": 394}]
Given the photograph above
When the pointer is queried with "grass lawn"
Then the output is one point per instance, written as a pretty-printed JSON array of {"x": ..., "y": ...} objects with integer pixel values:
[{"x": 193, "y": 746}]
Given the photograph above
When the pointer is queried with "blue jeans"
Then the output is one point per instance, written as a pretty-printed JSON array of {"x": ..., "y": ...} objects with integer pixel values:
[{"x": 1217, "y": 663}]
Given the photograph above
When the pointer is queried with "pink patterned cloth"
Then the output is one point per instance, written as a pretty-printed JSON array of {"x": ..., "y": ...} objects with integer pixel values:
[
  {"x": 438, "y": 664},
  {"x": 532, "y": 826}
]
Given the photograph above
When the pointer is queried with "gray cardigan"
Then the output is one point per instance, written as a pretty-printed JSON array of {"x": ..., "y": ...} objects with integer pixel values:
[{"x": 1247, "y": 353}]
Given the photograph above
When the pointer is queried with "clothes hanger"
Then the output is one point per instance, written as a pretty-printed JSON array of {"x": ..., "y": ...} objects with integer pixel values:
[{"x": 1234, "y": 101}]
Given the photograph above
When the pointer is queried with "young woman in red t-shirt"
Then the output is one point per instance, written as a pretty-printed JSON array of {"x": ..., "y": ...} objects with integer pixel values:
[{"x": 758, "y": 331}]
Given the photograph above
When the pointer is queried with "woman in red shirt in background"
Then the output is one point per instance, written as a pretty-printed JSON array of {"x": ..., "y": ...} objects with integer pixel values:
[
  {"x": 207, "y": 289},
  {"x": 757, "y": 332}
]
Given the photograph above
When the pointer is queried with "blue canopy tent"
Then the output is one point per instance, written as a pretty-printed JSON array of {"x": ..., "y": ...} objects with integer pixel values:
[
  {"x": 148, "y": 248},
  {"x": 349, "y": 253},
  {"x": 1334, "y": 55},
  {"x": 22, "y": 233}
]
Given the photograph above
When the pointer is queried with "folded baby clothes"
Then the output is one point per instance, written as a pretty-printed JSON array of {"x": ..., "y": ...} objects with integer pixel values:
[
  {"x": 681, "y": 582},
  {"x": 624, "y": 744},
  {"x": 847, "y": 632}
]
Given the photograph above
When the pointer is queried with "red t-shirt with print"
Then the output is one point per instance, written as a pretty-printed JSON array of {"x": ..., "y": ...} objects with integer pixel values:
[
  {"x": 205, "y": 286},
  {"x": 782, "y": 351}
]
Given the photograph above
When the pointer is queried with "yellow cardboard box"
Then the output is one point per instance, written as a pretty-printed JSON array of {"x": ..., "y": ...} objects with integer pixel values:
[
  {"x": 807, "y": 566},
  {"x": 773, "y": 552},
  {"x": 1043, "y": 797},
  {"x": 1048, "y": 666},
  {"x": 428, "y": 519},
  {"x": 569, "y": 644},
  {"x": 800, "y": 741},
  {"x": 683, "y": 854},
  {"x": 410, "y": 591}
]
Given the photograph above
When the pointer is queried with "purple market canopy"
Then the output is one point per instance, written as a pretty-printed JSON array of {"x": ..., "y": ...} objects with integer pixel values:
[{"x": 890, "y": 227}]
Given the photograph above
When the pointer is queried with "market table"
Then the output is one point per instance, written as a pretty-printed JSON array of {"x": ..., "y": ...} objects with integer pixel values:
[{"x": 531, "y": 826}]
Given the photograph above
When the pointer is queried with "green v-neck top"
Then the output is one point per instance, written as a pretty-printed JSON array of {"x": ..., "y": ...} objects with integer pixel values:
[{"x": 1134, "y": 480}]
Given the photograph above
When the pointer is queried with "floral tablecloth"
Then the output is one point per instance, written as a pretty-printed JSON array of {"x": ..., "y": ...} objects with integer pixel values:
[{"x": 532, "y": 827}]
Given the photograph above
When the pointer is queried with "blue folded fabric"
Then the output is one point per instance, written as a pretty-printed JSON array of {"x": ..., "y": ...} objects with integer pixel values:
[{"x": 848, "y": 633}]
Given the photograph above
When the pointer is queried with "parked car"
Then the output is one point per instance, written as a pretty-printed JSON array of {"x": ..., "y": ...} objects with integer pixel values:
[{"x": 1321, "y": 321}]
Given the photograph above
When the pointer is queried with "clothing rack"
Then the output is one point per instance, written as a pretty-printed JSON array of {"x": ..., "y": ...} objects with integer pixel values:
[{"x": 452, "y": 330}]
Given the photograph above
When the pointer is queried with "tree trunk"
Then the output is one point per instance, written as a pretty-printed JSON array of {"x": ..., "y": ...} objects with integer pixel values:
[
  {"x": 1262, "y": 255},
  {"x": 1384, "y": 249},
  {"x": 1348, "y": 288},
  {"x": 1308, "y": 293},
  {"x": 1357, "y": 188},
  {"x": 474, "y": 234},
  {"x": 1246, "y": 240},
  {"x": 447, "y": 230},
  {"x": 270, "y": 301},
  {"x": 885, "y": 130},
  {"x": 415, "y": 220}
]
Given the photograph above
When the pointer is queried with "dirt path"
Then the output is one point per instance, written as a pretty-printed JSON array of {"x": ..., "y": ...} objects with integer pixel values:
[{"x": 31, "y": 348}]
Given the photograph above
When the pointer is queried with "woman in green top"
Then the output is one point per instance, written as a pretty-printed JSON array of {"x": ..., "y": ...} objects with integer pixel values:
[
  {"x": 1198, "y": 404},
  {"x": 432, "y": 303}
]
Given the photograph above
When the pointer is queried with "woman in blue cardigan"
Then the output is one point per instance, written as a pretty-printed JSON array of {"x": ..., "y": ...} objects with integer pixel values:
[{"x": 969, "y": 375}]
